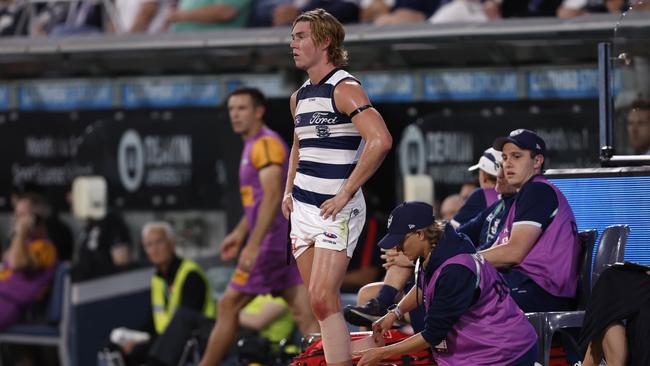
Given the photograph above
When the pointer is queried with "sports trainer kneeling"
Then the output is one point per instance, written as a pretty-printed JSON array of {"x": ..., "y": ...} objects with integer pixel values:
[{"x": 471, "y": 319}]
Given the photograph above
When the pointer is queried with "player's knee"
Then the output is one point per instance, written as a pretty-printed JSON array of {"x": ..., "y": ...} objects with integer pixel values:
[{"x": 322, "y": 303}]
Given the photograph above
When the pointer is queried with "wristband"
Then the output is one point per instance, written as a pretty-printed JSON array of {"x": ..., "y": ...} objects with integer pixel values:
[{"x": 395, "y": 309}]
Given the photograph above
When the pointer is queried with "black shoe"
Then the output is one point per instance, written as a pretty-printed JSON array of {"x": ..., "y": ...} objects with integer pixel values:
[{"x": 365, "y": 315}]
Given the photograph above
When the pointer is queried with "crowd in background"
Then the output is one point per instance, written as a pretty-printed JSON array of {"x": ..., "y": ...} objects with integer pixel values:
[{"x": 60, "y": 18}]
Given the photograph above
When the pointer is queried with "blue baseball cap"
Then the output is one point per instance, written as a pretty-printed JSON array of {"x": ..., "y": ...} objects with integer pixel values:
[
  {"x": 406, "y": 218},
  {"x": 525, "y": 139}
]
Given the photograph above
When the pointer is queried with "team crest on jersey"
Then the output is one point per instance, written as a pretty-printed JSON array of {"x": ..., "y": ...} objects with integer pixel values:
[
  {"x": 297, "y": 120},
  {"x": 322, "y": 131}
]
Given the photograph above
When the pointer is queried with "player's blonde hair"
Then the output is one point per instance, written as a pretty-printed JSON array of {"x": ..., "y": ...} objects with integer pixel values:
[{"x": 326, "y": 27}]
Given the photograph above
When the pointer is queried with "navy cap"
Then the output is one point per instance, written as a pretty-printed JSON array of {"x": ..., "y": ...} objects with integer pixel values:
[
  {"x": 406, "y": 218},
  {"x": 525, "y": 139}
]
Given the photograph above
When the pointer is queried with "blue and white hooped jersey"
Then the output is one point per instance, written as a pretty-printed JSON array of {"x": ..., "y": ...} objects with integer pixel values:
[{"x": 330, "y": 144}]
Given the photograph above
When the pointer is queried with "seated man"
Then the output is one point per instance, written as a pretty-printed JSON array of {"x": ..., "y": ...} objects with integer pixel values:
[
  {"x": 537, "y": 250},
  {"x": 486, "y": 226},
  {"x": 177, "y": 284},
  {"x": 482, "y": 197},
  {"x": 28, "y": 264}
]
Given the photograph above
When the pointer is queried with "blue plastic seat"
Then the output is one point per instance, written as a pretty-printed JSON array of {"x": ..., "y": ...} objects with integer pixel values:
[
  {"x": 611, "y": 249},
  {"x": 55, "y": 332}
]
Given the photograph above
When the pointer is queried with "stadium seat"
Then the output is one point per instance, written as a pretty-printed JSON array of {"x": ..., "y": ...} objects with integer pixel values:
[
  {"x": 611, "y": 249},
  {"x": 55, "y": 331},
  {"x": 539, "y": 320}
]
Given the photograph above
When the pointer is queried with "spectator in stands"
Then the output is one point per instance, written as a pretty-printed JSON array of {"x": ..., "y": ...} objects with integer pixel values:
[
  {"x": 460, "y": 11},
  {"x": 521, "y": 8},
  {"x": 69, "y": 18},
  {"x": 28, "y": 265},
  {"x": 198, "y": 15},
  {"x": 276, "y": 13},
  {"x": 617, "y": 319},
  {"x": 382, "y": 12},
  {"x": 470, "y": 319},
  {"x": 537, "y": 250},
  {"x": 638, "y": 127},
  {"x": 450, "y": 206},
  {"x": 106, "y": 245},
  {"x": 574, "y": 8},
  {"x": 486, "y": 226},
  {"x": 11, "y": 12},
  {"x": 487, "y": 166},
  {"x": 181, "y": 301},
  {"x": 143, "y": 16}
]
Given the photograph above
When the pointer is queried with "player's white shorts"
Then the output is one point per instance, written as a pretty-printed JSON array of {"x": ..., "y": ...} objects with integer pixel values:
[{"x": 308, "y": 227}]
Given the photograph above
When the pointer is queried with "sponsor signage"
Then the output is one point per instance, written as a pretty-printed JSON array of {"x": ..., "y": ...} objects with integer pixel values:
[
  {"x": 470, "y": 85},
  {"x": 389, "y": 87},
  {"x": 170, "y": 92},
  {"x": 65, "y": 95},
  {"x": 563, "y": 83}
]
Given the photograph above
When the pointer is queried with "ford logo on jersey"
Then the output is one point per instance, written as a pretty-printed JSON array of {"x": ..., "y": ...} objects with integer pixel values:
[
  {"x": 319, "y": 118},
  {"x": 322, "y": 131},
  {"x": 330, "y": 235}
]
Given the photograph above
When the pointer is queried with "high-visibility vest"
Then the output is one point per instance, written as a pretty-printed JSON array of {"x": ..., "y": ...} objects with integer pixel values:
[{"x": 163, "y": 311}]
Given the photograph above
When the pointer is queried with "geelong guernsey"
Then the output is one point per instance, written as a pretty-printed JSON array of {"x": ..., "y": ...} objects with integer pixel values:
[{"x": 329, "y": 143}]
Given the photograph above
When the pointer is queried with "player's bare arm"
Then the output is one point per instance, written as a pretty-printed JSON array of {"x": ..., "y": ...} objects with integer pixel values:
[
  {"x": 349, "y": 96},
  {"x": 271, "y": 178},
  {"x": 233, "y": 241},
  {"x": 287, "y": 202}
]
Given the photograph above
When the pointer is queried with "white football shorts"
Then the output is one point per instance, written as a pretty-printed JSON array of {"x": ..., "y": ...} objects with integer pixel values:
[{"x": 309, "y": 229}]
